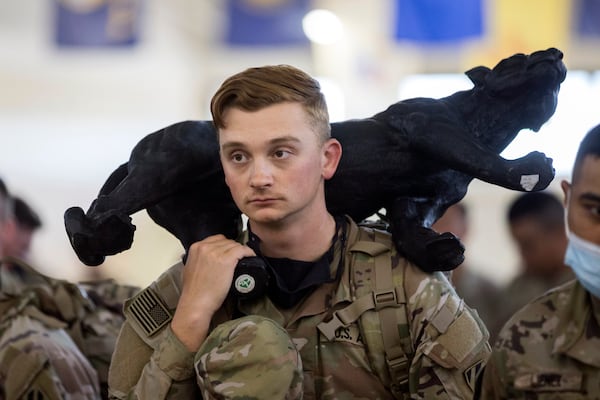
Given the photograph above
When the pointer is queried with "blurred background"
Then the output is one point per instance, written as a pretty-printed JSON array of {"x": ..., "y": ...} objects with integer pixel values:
[{"x": 82, "y": 81}]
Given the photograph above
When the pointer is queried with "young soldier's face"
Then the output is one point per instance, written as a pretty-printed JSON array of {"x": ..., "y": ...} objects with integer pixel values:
[
  {"x": 274, "y": 163},
  {"x": 582, "y": 199},
  {"x": 542, "y": 250},
  {"x": 17, "y": 241}
]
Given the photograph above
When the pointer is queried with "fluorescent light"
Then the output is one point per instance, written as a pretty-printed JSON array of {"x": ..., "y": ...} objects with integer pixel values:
[{"x": 322, "y": 26}]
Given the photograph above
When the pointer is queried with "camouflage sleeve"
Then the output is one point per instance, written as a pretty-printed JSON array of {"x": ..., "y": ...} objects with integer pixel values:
[
  {"x": 494, "y": 382},
  {"x": 528, "y": 361},
  {"x": 138, "y": 371},
  {"x": 450, "y": 340}
]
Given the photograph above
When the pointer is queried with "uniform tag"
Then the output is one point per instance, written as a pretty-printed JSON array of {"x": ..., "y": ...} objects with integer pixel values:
[
  {"x": 349, "y": 334},
  {"x": 550, "y": 381}
]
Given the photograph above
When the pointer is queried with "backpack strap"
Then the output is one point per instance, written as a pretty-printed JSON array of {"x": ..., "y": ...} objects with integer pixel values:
[{"x": 377, "y": 287}]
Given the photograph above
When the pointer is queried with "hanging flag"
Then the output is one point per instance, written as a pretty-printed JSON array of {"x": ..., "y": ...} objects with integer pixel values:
[
  {"x": 266, "y": 22},
  {"x": 587, "y": 19},
  {"x": 438, "y": 21},
  {"x": 97, "y": 22},
  {"x": 525, "y": 26}
]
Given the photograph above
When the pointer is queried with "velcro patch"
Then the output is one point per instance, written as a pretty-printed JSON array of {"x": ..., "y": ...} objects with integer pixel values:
[
  {"x": 455, "y": 346},
  {"x": 149, "y": 311}
]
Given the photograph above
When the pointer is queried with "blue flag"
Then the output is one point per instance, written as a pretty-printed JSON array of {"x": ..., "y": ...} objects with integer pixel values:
[
  {"x": 438, "y": 21},
  {"x": 266, "y": 23},
  {"x": 588, "y": 18},
  {"x": 104, "y": 23}
]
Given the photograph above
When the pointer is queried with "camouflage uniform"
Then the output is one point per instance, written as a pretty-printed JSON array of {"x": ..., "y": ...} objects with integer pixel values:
[
  {"x": 449, "y": 342},
  {"x": 55, "y": 342},
  {"x": 550, "y": 349},
  {"x": 520, "y": 291},
  {"x": 259, "y": 347}
]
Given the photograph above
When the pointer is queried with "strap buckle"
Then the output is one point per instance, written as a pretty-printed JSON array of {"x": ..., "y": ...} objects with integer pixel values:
[
  {"x": 328, "y": 328},
  {"x": 384, "y": 298},
  {"x": 398, "y": 368}
]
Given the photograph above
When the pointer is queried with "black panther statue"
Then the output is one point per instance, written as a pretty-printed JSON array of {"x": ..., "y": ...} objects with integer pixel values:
[{"x": 414, "y": 160}]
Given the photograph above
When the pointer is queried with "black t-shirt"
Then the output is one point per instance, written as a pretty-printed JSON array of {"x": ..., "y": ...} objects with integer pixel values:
[{"x": 292, "y": 280}]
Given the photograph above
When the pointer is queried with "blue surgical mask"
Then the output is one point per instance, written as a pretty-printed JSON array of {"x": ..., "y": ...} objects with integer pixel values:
[{"x": 584, "y": 258}]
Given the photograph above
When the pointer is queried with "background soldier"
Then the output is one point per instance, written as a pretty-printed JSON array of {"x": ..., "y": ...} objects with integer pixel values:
[
  {"x": 551, "y": 347},
  {"x": 537, "y": 226},
  {"x": 56, "y": 337}
]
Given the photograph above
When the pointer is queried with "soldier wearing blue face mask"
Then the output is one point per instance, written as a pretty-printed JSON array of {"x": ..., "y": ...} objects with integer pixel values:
[
  {"x": 550, "y": 349},
  {"x": 582, "y": 199}
]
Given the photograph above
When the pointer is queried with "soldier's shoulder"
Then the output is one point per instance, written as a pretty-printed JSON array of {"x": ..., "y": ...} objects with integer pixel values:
[
  {"x": 169, "y": 281},
  {"x": 426, "y": 286},
  {"x": 421, "y": 288},
  {"x": 163, "y": 292},
  {"x": 150, "y": 310},
  {"x": 536, "y": 320},
  {"x": 549, "y": 303},
  {"x": 376, "y": 231}
]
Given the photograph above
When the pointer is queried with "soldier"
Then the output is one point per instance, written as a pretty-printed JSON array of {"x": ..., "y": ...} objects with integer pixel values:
[
  {"x": 27, "y": 222},
  {"x": 551, "y": 347},
  {"x": 56, "y": 337},
  {"x": 17, "y": 235},
  {"x": 38, "y": 359},
  {"x": 537, "y": 226},
  {"x": 317, "y": 331}
]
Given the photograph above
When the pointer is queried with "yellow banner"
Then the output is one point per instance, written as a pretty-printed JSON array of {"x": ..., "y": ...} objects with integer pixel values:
[{"x": 523, "y": 26}]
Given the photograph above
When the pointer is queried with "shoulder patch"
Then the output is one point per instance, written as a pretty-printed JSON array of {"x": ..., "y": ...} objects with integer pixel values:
[
  {"x": 461, "y": 338},
  {"x": 149, "y": 311},
  {"x": 472, "y": 373}
]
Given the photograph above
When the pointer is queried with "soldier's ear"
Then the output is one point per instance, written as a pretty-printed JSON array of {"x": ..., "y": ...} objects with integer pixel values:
[
  {"x": 331, "y": 155},
  {"x": 566, "y": 188}
]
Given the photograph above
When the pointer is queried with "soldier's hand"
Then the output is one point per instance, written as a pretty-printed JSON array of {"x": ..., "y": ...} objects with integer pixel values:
[{"x": 207, "y": 276}]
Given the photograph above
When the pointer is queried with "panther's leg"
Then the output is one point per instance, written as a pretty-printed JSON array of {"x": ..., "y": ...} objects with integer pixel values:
[
  {"x": 161, "y": 164},
  {"x": 410, "y": 222},
  {"x": 445, "y": 139},
  {"x": 106, "y": 227}
]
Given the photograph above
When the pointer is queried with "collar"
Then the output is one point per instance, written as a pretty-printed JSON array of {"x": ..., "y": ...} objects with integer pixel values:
[
  {"x": 325, "y": 297},
  {"x": 578, "y": 332}
]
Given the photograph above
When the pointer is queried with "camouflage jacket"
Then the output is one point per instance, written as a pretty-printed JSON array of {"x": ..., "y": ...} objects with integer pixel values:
[
  {"x": 89, "y": 313},
  {"x": 550, "y": 349},
  {"x": 449, "y": 342}
]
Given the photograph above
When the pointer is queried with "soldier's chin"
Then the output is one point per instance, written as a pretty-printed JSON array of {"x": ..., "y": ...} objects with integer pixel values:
[{"x": 265, "y": 216}]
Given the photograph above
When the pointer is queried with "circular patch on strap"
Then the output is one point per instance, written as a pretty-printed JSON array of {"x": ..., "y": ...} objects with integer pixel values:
[{"x": 244, "y": 283}]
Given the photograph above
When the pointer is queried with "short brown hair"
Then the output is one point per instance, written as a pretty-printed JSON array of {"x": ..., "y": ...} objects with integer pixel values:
[
  {"x": 260, "y": 87},
  {"x": 589, "y": 146}
]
